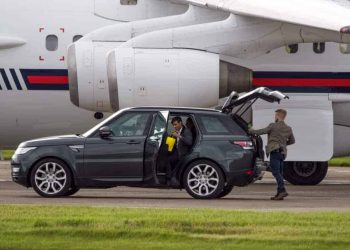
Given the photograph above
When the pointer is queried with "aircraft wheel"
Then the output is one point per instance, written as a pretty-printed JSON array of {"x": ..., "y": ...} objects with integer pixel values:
[{"x": 305, "y": 173}]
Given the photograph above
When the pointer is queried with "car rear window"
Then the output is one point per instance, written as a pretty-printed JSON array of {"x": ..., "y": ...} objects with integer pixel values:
[{"x": 219, "y": 125}]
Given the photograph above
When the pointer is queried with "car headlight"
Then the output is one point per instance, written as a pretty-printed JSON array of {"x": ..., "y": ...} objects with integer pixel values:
[{"x": 21, "y": 151}]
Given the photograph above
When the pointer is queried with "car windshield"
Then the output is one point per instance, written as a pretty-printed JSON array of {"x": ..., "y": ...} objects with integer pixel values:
[{"x": 93, "y": 130}]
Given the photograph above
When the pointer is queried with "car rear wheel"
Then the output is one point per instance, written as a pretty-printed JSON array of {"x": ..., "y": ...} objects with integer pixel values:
[
  {"x": 51, "y": 178},
  {"x": 203, "y": 180},
  {"x": 225, "y": 191}
]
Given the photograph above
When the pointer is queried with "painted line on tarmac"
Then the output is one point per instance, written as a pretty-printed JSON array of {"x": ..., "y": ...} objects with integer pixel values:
[
  {"x": 335, "y": 182},
  {"x": 327, "y": 182},
  {"x": 341, "y": 171}
]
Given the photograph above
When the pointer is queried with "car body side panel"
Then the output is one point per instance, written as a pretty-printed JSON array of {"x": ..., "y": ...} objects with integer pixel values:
[
  {"x": 74, "y": 160},
  {"x": 232, "y": 159},
  {"x": 114, "y": 160}
]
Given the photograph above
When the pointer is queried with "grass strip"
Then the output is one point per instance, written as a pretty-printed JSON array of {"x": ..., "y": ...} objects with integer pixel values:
[
  {"x": 25, "y": 227},
  {"x": 340, "y": 161},
  {"x": 7, "y": 154}
]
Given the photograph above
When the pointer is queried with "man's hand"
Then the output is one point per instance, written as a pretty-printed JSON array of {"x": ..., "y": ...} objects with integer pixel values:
[{"x": 175, "y": 134}]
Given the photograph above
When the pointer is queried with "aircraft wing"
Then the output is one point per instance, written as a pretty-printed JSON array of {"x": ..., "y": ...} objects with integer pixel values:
[{"x": 331, "y": 15}]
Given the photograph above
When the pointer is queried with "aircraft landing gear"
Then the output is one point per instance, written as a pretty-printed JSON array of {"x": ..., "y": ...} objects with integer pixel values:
[{"x": 305, "y": 173}]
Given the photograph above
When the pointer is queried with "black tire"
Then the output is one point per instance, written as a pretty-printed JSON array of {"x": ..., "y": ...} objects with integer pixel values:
[
  {"x": 51, "y": 177},
  {"x": 209, "y": 178},
  {"x": 305, "y": 173},
  {"x": 225, "y": 191},
  {"x": 73, "y": 190}
]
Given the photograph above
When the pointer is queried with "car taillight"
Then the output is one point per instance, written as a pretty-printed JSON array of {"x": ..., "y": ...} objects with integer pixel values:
[
  {"x": 249, "y": 172},
  {"x": 244, "y": 144}
]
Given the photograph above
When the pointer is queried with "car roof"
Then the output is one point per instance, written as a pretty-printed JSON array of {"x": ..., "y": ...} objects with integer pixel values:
[{"x": 178, "y": 109}]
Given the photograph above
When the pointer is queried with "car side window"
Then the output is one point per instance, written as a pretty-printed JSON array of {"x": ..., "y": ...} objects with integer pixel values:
[
  {"x": 130, "y": 124},
  {"x": 213, "y": 125},
  {"x": 219, "y": 125},
  {"x": 159, "y": 126},
  {"x": 158, "y": 129}
]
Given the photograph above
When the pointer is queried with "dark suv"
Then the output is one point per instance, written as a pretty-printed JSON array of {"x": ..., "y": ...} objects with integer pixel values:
[{"x": 129, "y": 149}]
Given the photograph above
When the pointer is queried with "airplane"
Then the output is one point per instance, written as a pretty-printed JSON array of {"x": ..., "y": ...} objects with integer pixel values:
[
  {"x": 181, "y": 53},
  {"x": 34, "y": 36}
]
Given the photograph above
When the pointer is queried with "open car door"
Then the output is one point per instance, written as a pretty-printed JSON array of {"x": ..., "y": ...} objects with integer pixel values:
[
  {"x": 263, "y": 93},
  {"x": 236, "y": 105},
  {"x": 155, "y": 148}
]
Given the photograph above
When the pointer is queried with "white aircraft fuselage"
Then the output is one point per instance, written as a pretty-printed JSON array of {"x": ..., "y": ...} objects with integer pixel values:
[
  {"x": 35, "y": 99},
  {"x": 34, "y": 91}
]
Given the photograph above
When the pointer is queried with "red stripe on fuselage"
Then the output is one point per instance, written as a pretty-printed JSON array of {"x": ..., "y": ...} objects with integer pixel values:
[
  {"x": 300, "y": 82},
  {"x": 48, "y": 79}
]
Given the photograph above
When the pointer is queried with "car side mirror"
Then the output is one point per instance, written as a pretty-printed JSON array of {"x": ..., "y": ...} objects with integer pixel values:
[{"x": 105, "y": 132}]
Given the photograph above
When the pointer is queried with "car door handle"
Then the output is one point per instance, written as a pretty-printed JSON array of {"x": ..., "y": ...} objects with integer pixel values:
[{"x": 133, "y": 142}]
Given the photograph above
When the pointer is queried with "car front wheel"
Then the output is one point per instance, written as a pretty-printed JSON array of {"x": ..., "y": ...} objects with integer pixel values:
[
  {"x": 51, "y": 178},
  {"x": 203, "y": 180},
  {"x": 73, "y": 190}
]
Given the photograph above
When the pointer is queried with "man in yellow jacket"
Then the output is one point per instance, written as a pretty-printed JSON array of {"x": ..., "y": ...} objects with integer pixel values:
[{"x": 279, "y": 135}]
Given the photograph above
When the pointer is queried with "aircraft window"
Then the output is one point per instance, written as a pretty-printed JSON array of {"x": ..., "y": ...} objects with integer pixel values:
[
  {"x": 128, "y": 2},
  {"x": 344, "y": 48},
  {"x": 319, "y": 48},
  {"x": 76, "y": 38},
  {"x": 51, "y": 42},
  {"x": 292, "y": 48}
]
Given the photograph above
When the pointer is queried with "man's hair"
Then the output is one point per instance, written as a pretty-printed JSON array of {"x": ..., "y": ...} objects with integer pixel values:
[
  {"x": 282, "y": 112},
  {"x": 176, "y": 119}
]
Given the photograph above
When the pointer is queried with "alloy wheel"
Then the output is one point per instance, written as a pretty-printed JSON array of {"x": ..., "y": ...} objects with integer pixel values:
[
  {"x": 50, "y": 178},
  {"x": 203, "y": 179}
]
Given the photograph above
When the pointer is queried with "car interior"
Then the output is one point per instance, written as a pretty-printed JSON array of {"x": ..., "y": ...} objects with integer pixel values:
[{"x": 163, "y": 153}]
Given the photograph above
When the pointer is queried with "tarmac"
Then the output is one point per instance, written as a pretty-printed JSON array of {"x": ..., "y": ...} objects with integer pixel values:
[{"x": 332, "y": 194}]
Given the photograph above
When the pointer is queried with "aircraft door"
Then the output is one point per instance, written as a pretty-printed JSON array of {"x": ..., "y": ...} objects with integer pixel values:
[{"x": 156, "y": 151}]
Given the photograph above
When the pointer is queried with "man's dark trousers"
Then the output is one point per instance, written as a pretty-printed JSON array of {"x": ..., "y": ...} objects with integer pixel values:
[
  {"x": 276, "y": 164},
  {"x": 172, "y": 162}
]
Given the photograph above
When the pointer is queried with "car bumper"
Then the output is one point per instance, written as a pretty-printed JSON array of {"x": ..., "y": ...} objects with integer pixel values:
[
  {"x": 19, "y": 172},
  {"x": 245, "y": 170}
]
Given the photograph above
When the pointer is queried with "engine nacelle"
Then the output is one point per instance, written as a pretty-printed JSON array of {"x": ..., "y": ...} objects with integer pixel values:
[
  {"x": 87, "y": 57},
  {"x": 87, "y": 75},
  {"x": 156, "y": 77}
]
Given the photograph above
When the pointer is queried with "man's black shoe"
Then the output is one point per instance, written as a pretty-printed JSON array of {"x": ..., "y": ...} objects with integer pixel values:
[
  {"x": 279, "y": 196},
  {"x": 274, "y": 197},
  {"x": 283, "y": 194}
]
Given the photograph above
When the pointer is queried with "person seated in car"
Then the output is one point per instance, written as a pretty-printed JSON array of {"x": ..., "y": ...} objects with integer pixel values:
[{"x": 182, "y": 146}]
